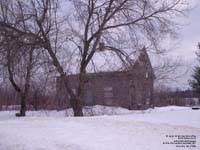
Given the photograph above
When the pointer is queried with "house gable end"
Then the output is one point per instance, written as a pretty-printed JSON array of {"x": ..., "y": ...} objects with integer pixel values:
[{"x": 143, "y": 64}]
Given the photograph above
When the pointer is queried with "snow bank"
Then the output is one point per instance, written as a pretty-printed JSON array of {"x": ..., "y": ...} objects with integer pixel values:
[
  {"x": 171, "y": 108},
  {"x": 104, "y": 110},
  {"x": 97, "y": 110},
  {"x": 172, "y": 115}
]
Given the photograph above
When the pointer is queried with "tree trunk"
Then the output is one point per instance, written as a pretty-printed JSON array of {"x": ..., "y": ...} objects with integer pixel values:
[
  {"x": 24, "y": 94},
  {"x": 22, "y": 112},
  {"x": 23, "y": 106},
  {"x": 77, "y": 106},
  {"x": 74, "y": 101}
]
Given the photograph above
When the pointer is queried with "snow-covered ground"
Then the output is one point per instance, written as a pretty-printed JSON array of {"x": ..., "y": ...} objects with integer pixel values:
[{"x": 113, "y": 129}]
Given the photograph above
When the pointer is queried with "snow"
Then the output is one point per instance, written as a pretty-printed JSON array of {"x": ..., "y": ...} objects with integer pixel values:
[
  {"x": 173, "y": 115},
  {"x": 114, "y": 129}
]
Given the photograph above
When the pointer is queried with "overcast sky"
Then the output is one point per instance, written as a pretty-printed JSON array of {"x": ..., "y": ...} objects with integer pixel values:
[
  {"x": 190, "y": 33},
  {"x": 187, "y": 43}
]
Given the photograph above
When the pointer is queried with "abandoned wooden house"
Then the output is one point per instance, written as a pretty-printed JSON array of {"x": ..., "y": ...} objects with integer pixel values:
[{"x": 132, "y": 89}]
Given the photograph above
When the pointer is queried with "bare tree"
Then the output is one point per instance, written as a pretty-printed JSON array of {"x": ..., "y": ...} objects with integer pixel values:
[
  {"x": 19, "y": 63},
  {"x": 19, "y": 53},
  {"x": 169, "y": 70},
  {"x": 114, "y": 26},
  {"x": 108, "y": 26}
]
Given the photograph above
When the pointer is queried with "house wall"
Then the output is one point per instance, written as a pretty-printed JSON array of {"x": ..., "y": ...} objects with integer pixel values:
[
  {"x": 112, "y": 89},
  {"x": 131, "y": 89}
]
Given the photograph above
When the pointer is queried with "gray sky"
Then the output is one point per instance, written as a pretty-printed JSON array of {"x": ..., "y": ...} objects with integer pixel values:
[
  {"x": 187, "y": 43},
  {"x": 190, "y": 33}
]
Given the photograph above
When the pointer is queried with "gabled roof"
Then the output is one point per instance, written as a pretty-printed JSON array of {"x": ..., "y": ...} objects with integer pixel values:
[
  {"x": 142, "y": 54},
  {"x": 138, "y": 60}
]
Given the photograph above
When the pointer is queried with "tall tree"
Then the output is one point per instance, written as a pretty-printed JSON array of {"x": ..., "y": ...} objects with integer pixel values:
[
  {"x": 195, "y": 83},
  {"x": 19, "y": 55},
  {"x": 19, "y": 64}
]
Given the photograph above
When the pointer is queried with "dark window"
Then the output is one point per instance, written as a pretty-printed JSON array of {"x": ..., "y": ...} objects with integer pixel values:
[{"x": 108, "y": 92}]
